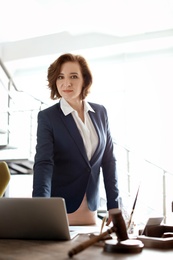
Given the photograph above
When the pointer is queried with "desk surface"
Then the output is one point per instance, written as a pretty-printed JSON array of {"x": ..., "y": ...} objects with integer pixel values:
[{"x": 51, "y": 250}]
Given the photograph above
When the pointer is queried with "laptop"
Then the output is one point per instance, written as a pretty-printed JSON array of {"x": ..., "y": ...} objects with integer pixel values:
[{"x": 34, "y": 218}]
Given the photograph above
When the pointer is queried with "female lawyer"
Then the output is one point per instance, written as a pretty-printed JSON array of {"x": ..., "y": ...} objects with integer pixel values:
[{"x": 73, "y": 144}]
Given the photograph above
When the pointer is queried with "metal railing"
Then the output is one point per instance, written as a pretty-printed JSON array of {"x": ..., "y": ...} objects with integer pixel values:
[
  {"x": 14, "y": 115},
  {"x": 154, "y": 183}
]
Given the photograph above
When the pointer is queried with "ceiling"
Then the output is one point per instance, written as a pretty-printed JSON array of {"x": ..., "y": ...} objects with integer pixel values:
[
  {"x": 33, "y": 33},
  {"x": 23, "y": 19}
]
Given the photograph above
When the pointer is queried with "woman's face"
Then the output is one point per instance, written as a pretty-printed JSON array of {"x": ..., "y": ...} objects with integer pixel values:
[{"x": 70, "y": 81}]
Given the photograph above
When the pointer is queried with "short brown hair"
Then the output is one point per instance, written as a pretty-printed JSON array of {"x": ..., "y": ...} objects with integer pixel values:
[{"x": 54, "y": 70}]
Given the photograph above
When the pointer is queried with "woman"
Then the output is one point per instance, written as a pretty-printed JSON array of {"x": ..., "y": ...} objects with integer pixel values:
[{"x": 73, "y": 144}]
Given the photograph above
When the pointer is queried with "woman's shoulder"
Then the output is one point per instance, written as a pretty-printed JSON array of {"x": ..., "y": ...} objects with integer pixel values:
[
  {"x": 50, "y": 109},
  {"x": 97, "y": 106},
  {"x": 49, "y": 112}
]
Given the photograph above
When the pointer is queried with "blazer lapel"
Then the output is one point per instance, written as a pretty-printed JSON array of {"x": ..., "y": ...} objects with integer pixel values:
[{"x": 96, "y": 122}]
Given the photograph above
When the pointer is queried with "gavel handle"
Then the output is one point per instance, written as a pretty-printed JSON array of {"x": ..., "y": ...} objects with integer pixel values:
[{"x": 89, "y": 242}]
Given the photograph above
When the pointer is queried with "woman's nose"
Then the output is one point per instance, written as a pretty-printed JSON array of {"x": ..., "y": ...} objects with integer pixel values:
[{"x": 67, "y": 84}]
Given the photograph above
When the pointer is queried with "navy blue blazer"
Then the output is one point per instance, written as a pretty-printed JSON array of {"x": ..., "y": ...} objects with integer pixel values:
[{"x": 61, "y": 167}]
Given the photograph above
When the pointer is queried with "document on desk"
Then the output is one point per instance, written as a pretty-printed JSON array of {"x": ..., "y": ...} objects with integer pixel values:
[
  {"x": 85, "y": 229},
  {"x": 90, "y": 229}
]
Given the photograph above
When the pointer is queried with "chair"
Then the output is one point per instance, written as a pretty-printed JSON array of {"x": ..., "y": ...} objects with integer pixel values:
[{"x": 4, "y": 177}]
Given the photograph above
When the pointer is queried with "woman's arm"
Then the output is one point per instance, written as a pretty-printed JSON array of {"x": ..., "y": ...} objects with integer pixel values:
[{"x": 43, "y": 164}]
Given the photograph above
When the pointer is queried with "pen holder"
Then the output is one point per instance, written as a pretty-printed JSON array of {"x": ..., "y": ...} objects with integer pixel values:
[{"x": 160, "y": 236}]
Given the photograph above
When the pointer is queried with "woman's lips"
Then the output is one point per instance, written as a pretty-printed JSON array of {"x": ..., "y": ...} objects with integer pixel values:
[{"x": 67, "y": 91}]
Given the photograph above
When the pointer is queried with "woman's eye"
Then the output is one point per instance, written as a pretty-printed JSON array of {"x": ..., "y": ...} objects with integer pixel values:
[
  {"x": 74, "y": 77},
  {"x": 60, "y": 77}
]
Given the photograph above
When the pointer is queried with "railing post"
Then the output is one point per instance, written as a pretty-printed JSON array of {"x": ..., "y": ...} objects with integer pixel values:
[
  {"x": 128, "y": 172},
  {"x": 164, "y": 196},
  {"x": 8, "y": 112}
]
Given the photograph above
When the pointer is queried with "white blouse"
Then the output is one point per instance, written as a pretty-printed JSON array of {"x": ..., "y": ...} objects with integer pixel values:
[{"x": 83, "y": 216}]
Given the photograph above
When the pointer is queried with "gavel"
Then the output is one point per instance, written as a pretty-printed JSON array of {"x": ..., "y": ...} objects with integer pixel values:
[{"x": 119, "y": 228}]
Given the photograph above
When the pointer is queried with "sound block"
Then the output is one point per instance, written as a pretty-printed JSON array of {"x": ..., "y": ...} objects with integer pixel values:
[{"x": 126, "y": 246}]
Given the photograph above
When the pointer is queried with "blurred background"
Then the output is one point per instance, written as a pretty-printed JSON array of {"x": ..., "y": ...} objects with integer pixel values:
[{"x": 129, "y": 47}]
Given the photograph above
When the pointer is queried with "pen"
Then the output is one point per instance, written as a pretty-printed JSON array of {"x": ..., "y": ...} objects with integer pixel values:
[
  {"x": 103, "y": 223},
  {"x": 133, "y": 208}
]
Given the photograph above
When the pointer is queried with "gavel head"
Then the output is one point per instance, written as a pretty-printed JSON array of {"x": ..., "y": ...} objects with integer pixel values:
[{"x": 119, "y": 225}]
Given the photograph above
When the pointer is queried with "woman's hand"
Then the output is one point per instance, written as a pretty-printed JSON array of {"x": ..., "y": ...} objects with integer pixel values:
[{"x": 111, "y": 211}]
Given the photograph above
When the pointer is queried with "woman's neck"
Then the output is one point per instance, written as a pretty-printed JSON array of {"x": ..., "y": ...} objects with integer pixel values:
[
  {"x": 76, "y": 105},
  {"x": 79, "y": 107}
]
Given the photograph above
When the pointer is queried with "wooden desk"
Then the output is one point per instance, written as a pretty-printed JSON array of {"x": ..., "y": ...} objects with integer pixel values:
[{"x": 53, "y": 250}]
